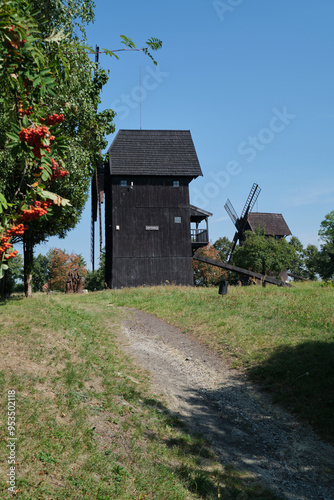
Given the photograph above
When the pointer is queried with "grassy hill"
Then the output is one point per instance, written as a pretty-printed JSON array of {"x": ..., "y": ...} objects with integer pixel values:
[
  {"x": 282, "y": 337},
  {"x": 87, "y": 425}
]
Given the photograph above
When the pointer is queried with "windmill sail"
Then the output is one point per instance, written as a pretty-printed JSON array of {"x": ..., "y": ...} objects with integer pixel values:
[
  {"x": 241, "y": 222},
  {"x": 251, "y": 200},
  {"x": 231, "y": 211}
]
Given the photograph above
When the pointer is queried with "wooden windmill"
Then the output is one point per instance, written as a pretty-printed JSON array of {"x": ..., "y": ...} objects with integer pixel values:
[
  {"x": 241, "y": 223},
  {"x": 148, "y": 237}
]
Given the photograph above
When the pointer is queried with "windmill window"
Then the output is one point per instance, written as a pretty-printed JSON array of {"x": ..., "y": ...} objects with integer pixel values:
[
  {"x": 177, "y": 220},
  {"x": 124, "y": 183},
  {"x": 176, "y": 184}
]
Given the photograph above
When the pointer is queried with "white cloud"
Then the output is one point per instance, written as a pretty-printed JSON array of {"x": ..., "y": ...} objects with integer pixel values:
[{"x": 310, "y": 195}]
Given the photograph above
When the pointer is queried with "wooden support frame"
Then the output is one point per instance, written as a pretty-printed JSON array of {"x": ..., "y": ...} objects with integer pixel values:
[
  {"x": 296, "y": 277},
  {"x": 229, "y": 267}
]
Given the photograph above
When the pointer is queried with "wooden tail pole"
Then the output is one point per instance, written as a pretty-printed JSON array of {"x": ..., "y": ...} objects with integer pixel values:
[{"x": 240, "y": 270}]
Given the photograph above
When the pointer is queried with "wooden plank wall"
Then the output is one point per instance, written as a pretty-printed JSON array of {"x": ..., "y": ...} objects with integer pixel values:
[{"x": 135, "y": 254}]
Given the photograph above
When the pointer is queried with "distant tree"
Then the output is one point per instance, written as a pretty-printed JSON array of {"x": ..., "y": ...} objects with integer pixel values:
[
  {"x": 81, "y": 262},
  {"x": 326, "y": 231},
  {"x": 306, "y": 260},
  {"x": 95, "y": 279},
  {"x": 61, "y": 264},
  {"x": 325, "y": 264},
  {"x": 16, "y": 270},
  {"x": 41, "y": 272},
  {"x": 266, "y": 256},
  {"x": 10, "y": 282},
  {"x": 206, "y": 274},
  {"x": 297, "y": 265},
  {"x": 311, "y": 262},
  {"x": 223, "y": 245}
]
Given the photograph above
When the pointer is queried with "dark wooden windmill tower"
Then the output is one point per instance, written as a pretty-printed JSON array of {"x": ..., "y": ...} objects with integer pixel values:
[
  {"x": 147, "y": 210},
  {"x": 274, "y": 224}
]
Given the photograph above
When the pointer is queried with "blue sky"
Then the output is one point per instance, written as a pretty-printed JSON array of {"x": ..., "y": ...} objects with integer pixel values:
[{"x": 252, "y": 80}]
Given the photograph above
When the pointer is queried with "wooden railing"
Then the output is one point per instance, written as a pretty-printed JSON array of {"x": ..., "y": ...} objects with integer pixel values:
[{"x": 199, "y": 235}]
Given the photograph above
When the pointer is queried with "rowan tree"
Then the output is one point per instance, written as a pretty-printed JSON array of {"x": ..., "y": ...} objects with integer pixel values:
[
  {"x": 31, "y": 144},
  {"x": 49, "y": 123}
]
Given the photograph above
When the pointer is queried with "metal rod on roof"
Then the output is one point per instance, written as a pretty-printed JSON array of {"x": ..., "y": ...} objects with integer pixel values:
[
  {"x": 140, "y": 96},
  {"x": 92, "y": 234},
  {"x": 98, "y": 201}
]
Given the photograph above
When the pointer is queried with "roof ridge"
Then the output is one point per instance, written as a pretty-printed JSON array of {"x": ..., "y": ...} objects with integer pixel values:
[{"x": 264, "y": 213}]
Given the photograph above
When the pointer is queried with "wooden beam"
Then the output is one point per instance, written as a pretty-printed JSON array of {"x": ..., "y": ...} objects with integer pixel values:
[
  {"x": 296, "y": 277},
  {"x": 240, "y": 270}
]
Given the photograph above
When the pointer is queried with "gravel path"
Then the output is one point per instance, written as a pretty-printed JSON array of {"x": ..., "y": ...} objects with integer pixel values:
[{"x": 244, "y": 428}]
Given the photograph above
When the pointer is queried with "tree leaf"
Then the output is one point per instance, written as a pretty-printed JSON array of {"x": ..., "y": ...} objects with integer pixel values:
[
  {"x": 45, "y": 175},
  {"x": 154, "y": 43},
  {"x": 110, "y": 53},
  {"x": 3, "y": 203},
  {"x": 25, "y": 121},
  {"x": 14, "y": 137},
  {"x": 128, "y": 42},
  {"x": 3, "y": 268},
  {"x": 56, "y": 37},
  {"x": 57, "y": 200},
  {"x": 15, "y": 150}
]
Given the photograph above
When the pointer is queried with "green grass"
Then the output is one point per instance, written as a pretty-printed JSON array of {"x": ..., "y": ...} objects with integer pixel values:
[
  {"x": 282, "y": 337},
  {"x": 87, "y": 424}
]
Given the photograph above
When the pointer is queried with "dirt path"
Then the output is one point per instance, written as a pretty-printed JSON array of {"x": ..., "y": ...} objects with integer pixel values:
[{"x": 245, "y": 429}]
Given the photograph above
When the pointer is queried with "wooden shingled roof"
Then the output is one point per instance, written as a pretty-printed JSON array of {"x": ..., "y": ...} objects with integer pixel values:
[
  {"x": 154, "y": 152},
  {"x": 198, "y": 214},
  {"x": 274, "y": 224}
]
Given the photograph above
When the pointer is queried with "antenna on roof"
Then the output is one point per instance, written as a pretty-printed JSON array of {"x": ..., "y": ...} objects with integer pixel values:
[{"x": 140, "y": 96}]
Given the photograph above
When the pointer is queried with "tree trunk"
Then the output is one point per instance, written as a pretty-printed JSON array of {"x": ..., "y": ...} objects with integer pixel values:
[
  {"x": 28, "y": 254},
  {"x": 3, "y": 288}
]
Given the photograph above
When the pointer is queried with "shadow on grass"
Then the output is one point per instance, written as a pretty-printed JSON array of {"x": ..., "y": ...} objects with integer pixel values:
[
  {"x": 4, "y": 300},
  {"x": 251, "y": 433},
  {"x": 301, "y": 378},
  {"x": 201, "y": 478}
]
